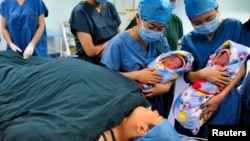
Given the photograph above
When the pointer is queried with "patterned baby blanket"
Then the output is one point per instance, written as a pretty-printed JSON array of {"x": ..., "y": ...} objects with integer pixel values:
[{"x": 186, "y": 108}]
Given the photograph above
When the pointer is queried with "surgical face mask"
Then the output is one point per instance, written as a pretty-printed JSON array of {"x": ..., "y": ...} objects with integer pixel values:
[
  {"x": 148, "y": 35},
  {"x": 209, "y": 27},
  {"x": 101, "y": 1}
]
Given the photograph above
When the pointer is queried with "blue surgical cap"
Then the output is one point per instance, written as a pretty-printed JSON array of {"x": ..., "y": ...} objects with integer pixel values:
[
  {"x": 155, "y": 10},
  {"x": 195, "y": 8},
  {"x": 163, "y": 131}
]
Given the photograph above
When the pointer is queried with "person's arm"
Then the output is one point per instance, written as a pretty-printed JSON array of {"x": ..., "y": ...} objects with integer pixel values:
[
  {"x": 104, "y": 45},
  {"x": 5, "y": 31},
  {"x": 39, "y": 32},
  {"x": 212, "y": 104},
  {"x": 158, "y": 89},
  {"x": 7, "y": 37},
  {"x": 88, "y": 46},
  {"x": 118, "y": 29},
  {"x": 147, "y": 76},
  {"x": 215, "y": 76},
  {"x": 40, "y": 29},
  {"x": 234, "y": 81}
]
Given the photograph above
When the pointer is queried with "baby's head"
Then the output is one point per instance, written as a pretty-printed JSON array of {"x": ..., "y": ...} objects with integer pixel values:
[
  {"x": 222, "y": 58},
  {"x": 172, "y": 62}
]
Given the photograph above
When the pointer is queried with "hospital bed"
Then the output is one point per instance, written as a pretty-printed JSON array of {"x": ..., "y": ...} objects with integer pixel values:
[{"x": 61, "y": 99}]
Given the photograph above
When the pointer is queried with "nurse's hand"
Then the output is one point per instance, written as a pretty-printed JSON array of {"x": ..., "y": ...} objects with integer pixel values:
[
  {"x": 158, "y": 89},
  {"x": 101, "y": 47},
  {"x": 148, "y": 76},
  {"x": 216, "y": 77},
  {"x": 28, "y": 51},
  {"x": 211, "y": 106},
  {"x": 15, "y": 48}
]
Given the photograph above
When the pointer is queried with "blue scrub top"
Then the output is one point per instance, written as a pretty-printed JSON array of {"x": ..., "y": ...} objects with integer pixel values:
[
  {"x": 101, "y": 26},
  {"x": 125, "y": 54},
  {"x": 228, "y": 111},
  {"x": 22, "y": 22}
]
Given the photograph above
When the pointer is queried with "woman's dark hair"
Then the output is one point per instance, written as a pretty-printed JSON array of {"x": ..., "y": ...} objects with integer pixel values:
[{"x": 247, "y": 25}]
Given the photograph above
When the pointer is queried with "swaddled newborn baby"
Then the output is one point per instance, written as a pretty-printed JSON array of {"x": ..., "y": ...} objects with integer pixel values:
[
  {"x": 170, "y": 65},
  {"x": 228, "y": 58},
  {"x": 172, "y": 62}
]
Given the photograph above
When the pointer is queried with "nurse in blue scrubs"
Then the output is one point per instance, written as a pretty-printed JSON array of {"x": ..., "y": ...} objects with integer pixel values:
[
  {"x": 24, "y": 26},
  {"x": 130, "y": 51},
  {"x": 93, "y": 23},
  {"x": 210, "y": 31}
]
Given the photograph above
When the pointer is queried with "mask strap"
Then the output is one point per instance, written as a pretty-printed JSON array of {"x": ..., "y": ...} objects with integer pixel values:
[{"x": 142, "y": 23}]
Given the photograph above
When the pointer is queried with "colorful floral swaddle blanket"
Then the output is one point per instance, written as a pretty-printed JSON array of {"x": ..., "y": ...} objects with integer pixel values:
[{"x": 186, "y": 108}]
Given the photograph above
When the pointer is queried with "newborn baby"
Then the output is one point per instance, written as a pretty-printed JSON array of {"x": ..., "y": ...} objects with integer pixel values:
[
  {"x": 170, "y": 65},
  {"x": 172, "y": 62},
  {"x": 222, "y": 59}
]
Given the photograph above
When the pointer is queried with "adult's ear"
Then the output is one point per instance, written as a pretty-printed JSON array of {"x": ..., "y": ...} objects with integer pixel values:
[{"x": 141, "y": 128}]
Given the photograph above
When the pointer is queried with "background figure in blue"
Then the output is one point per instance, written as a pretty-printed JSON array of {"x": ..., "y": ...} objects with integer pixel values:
[
  {"x": 244, "y": 92},
  {"x": 210, "y": 31},
  {"x": 24, "y": 28},
  {"x": 132, "y": 50},
  {"x": 93, "y": 23}
]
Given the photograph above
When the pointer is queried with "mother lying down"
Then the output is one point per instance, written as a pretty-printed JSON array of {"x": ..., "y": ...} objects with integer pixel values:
[{"x": 68, "y": 99}]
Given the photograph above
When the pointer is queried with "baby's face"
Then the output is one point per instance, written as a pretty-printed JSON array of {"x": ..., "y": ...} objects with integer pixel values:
[
  {"x": 172, "y": 62},
  {"x": 222, "y": 60}
]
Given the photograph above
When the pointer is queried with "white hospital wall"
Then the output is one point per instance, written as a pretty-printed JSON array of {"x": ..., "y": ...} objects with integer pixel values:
[{"x": 60, "y": 11}]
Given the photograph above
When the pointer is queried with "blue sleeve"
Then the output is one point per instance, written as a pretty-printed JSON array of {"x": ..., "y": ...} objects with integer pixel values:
[
  {"x": 3, "y": 8},
  {"x": 111, "y": 57},
  {"x": 78, "y": 20},
  {"x": 43, "y": 9}
]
